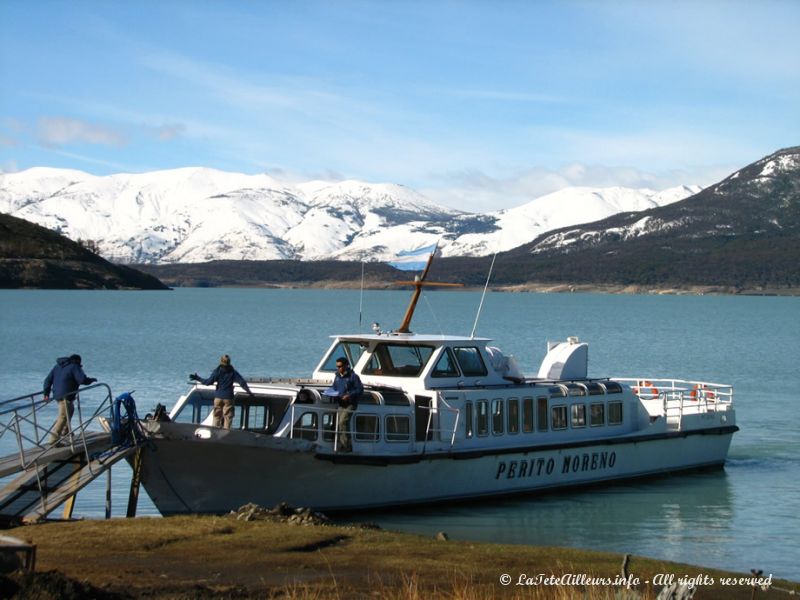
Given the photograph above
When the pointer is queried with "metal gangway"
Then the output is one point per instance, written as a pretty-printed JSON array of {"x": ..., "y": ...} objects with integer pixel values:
[{"x": 50, "y": 472}]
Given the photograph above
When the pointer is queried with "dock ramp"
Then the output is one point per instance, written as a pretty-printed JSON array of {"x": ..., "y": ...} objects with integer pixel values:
[{"x": 45, "y": 473}]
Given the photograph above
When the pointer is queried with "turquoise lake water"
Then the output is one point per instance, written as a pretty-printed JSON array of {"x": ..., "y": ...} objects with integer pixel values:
[{"x": 746, "y": 516}]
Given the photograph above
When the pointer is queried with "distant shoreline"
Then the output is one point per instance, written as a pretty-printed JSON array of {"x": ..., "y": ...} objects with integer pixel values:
[{"x": 538, "y": 288}]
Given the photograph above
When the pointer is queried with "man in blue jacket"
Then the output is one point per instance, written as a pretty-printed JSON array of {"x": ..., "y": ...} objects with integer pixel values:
[
  {"x": 64, "y": 380},
  {"x": 224, "y": 376},
  {"x": 348, "y": 387}
]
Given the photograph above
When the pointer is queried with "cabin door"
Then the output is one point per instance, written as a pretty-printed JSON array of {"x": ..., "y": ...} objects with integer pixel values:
[{"x": 422, "y": 414}]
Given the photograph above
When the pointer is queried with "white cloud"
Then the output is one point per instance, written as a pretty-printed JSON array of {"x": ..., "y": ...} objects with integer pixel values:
[
  {"x": 59, "y": 131},
  {"x": 476, "y": 191}
]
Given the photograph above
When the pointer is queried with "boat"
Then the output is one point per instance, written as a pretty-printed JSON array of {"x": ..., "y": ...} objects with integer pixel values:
[{"x": 443, "y": 418}]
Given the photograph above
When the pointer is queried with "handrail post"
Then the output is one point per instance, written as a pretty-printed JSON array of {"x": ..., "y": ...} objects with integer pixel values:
[
  {"x": 35, "y": 422},
  {"x": 19, "y": 438}
]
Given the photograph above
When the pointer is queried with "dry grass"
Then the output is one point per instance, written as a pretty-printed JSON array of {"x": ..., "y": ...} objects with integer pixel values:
[{"x": 219, "y": 557}]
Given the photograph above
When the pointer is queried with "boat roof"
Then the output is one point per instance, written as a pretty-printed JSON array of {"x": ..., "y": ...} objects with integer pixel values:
[{"x": 410, "y": 337}]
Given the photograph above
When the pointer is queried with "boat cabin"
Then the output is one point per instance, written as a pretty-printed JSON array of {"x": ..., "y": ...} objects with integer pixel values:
[{"x": 432, "y": 392}]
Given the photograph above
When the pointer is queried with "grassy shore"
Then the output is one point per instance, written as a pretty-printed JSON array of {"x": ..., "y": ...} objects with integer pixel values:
[{"x": 222, "y": 557}]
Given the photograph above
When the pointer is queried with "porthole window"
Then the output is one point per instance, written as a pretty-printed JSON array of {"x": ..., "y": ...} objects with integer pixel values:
[
  {"x": 398, "y": 428},
  {"x": 541, "y": 412},
  {"x": 558, "y": 416},
  {"x": 483, "y": 417},
  {"x": 305, "y": 426},
  {"x": 614, "y": 413},
  {"x": 366, "y": 428},
  {"x": 513, "y": 415},
  {"x": 527, "y": 415},
  {"x": 578, "y": 415},
  {"x": 498, "y": 416},
  {"x": 597, "y": 414}
]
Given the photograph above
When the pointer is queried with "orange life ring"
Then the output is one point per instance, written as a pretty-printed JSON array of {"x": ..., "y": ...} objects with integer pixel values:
[
  {"x": 702, "y": 391},
  {"x": 643, "y": 387}
]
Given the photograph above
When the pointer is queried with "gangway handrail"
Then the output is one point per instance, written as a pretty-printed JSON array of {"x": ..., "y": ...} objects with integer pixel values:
[{"x": 20, "y": 415}]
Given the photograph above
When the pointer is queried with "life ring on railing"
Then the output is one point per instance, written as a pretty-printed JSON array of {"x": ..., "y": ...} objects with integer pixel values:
[
  {"x": 646, "y": 387},
  {"x": 701, "y": 391}
]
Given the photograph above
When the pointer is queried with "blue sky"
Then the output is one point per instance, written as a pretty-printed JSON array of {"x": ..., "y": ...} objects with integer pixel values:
[{"x": 478, "y": 105}]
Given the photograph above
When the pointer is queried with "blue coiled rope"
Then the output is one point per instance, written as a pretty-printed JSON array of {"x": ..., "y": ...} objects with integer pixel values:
[{"x": 125, "y": 432}]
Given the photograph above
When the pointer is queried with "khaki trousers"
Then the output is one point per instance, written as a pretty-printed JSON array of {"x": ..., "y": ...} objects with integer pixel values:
[
  {"x": 343, "y": 417},
  {"x": 223, "y": 412},
  {"x": 61, "y": 428}
]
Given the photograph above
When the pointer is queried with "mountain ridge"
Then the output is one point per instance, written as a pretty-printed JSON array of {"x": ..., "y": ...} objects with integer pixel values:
[{"x": 196, "y": 214}]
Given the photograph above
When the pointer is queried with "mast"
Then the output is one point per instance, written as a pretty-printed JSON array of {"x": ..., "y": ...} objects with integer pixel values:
[{"x": 418, "y": 283}]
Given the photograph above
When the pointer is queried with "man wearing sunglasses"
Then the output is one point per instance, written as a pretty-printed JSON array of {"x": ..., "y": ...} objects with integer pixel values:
[{"x": 348, "y": 388}]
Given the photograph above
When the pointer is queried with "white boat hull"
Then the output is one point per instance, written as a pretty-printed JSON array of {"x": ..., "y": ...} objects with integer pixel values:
[{"x": 184, "y": 473}]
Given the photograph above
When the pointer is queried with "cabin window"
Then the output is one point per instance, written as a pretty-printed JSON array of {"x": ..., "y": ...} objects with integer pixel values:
[
  {"x": 196, "y": 409},
  {"x": 513, "y": 415},
  {"x": 305, "y": 427},
  {"x": 398, "y": 360},
  {"x": 366, "y": 428},
  {"x": 498, "y": 408},
  {"x": 394, "y": 398},
  {"x": 612, "y": 387},
  {"x": 352, "y": 351},
  {"x": 445, "y": 366},
  {"x": 541, "y": 412},
  {"x": 398, "y": 428},
  {"x": 578, "y": 415},
  {"x": 470, "y": 361},
  {"x": 468, "y": 418},
  {"x": 483, "y": 417},
  {"x": 575, "y": 389},
  {"x": 557, "y": 391},
  {"x": 595, "y": 389},
  {"x": 559, "y": 417},
  {"x": 328, "y": 425},
  {"x": 614, "y": 413},
  {"x": 527, "y": 415},
  {"x": 304, "y": 396},
  {"x": 254, "y": 416},
  {"x": 597, "y": 413}
]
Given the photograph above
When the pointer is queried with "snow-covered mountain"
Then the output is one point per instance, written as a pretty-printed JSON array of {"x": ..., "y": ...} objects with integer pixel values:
[{"x": 199, "y": 214}]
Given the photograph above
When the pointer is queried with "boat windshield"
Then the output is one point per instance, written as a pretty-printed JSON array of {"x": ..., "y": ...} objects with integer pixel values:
[
  {"x": 398, "y": 360},
  {"x": 351, "y": 350}
]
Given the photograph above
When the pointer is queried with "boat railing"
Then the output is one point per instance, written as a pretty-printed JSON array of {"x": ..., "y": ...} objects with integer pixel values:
[
  {"x": 678, "y": 395},
  {"x": 23, "y": 419},
  {"x": 330, "y": 433}
]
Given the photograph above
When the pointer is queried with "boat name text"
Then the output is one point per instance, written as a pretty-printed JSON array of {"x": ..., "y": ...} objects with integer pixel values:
[{"x": 571, "y": 463}]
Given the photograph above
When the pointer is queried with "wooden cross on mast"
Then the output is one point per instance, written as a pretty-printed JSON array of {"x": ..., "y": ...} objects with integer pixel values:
[{"x": 418, "y": 283}]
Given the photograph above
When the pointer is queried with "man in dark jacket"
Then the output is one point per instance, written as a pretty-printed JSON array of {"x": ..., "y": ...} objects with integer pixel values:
[
  {"x": 348, "y": 387},
  {"x": 224, "y": 376},
  {"x": 64, "y": 380}
]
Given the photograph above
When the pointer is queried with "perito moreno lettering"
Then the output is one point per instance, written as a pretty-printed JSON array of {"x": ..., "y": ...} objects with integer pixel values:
[{"x": 571, "y": 463}]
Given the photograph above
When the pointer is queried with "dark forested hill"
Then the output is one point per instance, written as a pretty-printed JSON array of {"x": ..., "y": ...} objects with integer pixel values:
[
  {"x": 743, "y": 233},
  {"x": 35, "y": 257}
]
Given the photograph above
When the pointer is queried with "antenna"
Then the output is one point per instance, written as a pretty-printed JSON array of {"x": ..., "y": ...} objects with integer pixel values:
[
  {"x": 361, "y": 299},
  {"x": 483, "y": 295}
]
